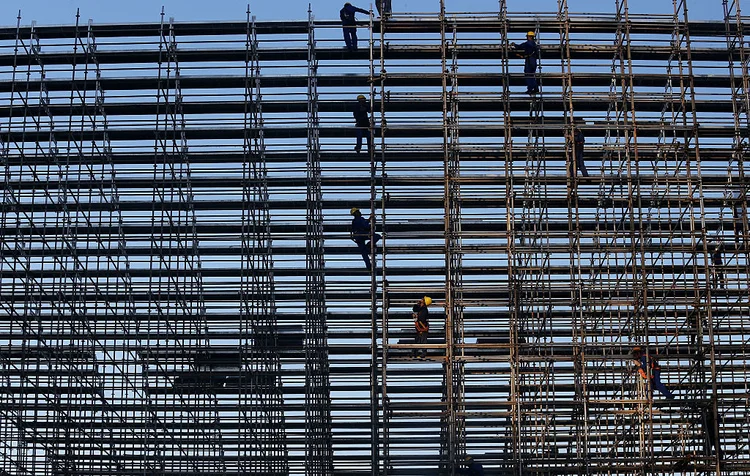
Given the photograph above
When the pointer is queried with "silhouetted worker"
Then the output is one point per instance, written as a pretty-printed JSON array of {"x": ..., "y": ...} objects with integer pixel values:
[
  {"x": 530, "y": 52},
  {"x": 472, "y": 467},
  {"x": 646, "y": 365},
  {"x": 362, "y": 122},
  {"x": 384, "y": 7},
  {"x": 420, "y": 314},
  {"x": 578, "y": 141},
  {"x": 361, "y": 234},
  {"x": 349, "y": 24},
  {"x": 718, "y": 261},
  {"x": 710, "y": 425}
]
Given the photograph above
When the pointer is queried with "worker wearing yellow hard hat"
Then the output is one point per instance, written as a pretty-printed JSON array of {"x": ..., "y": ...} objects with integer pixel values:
[
  {"x": 530, "y": 52},
  {"x": 420, "y": 314}
]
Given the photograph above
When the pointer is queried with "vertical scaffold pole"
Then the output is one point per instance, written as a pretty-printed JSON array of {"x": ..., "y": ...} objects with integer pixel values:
[
  {"x": 513, "y": 407},
  {"x": 318, "y": 437},
  {"x": 578, "y": 324},
  {"x": 448, "y": 428},
  {"x": 374, "y": 350},
  {"x": 453, "y": 440},
  {"x": 737, "y": 187},
  {"x": 13, "y": 255}
]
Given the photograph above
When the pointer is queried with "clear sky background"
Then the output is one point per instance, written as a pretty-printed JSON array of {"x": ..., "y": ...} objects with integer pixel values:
[{"x": 53, "y": 12}]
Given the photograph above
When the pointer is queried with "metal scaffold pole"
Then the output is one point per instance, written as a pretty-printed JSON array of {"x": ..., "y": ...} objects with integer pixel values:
[
  {"x": 378, "y": 83},
  {"x": 377, "y": 352},
  {"x": 736, "y": 193},
  {"x": 514, "y": 295},
  {"x": 318, "y": 436},
  {"x": 453, "y": 435}
]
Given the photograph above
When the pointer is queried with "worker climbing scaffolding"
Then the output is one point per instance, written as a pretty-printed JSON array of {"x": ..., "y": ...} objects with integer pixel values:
[
  {"x": 362, "y": 123},
  {"x": 420, "y": 315},
  {"x": 717, "y": 262},
  {"x": 530, "y": 52},
  {"x": 349, "y": 25},
  {"x": 649, "y": 369},
  {"x": 362, "y": 234},
  {"x": 578, "y": 143},
  {"x": 710, "y": 423},
  {"x": 473, "y": 467}
]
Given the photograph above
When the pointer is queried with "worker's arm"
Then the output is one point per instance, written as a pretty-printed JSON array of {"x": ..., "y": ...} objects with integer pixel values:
[
  {"x": 521, "y": 50},
  {"x": 637, "y": 366},
  {"x": 359, "y": 10}
]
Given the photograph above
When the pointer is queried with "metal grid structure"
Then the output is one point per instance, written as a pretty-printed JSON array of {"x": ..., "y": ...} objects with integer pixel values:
[{"x": 180, "y": 295}]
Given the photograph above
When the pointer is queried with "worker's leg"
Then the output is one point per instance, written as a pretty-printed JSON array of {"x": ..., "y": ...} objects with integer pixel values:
[
  {"x": 580, "y": 163},
  {"x": 360, "y": 132},
  {"x": 364, "y": 250},
  {"x": 421, "y": 340},
  {"x": 712, "y": 440},
  {"x": 368, "y": 131},
  {"x": 530, "y": 83},
  {"x": 571, "y": 168},
  {"x": 377, "y": 5},
  {"x": 348, "y": 37},
  {"x": 657, "y": 384},
  {"x": 529, "y": 70},
  {"x": 354, "y": 38},
  {"x": 387, "y": 7}
]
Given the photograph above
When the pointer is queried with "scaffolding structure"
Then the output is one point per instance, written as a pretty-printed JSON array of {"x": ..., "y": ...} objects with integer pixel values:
[{"x": 180, "y": 294}]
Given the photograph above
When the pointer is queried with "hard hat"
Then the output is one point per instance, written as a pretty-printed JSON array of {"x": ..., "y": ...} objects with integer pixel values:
[
  {"x": 530, "y": 33},
  {"x": 468, "y": 458},
  {"x": 347, "y": 4},
  {"x": 636, "y": 350},
  {"x": 427, "y": 300},
  {"x": 353, "y": 210},
  {"x": 361, "y": 96}
]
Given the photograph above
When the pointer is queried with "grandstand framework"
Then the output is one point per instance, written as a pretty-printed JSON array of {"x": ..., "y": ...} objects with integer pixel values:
[{"x": 180, "y": 295}]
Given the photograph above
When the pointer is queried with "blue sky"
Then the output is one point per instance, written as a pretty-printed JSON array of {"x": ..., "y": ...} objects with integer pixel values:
[{"x": 47, "y": 12}]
